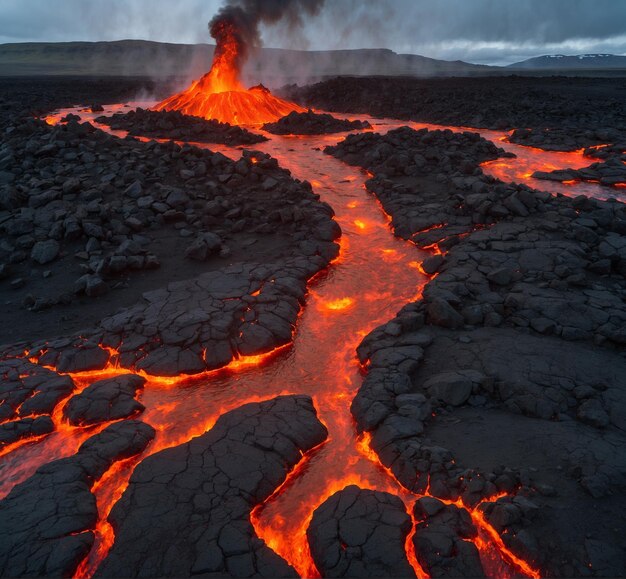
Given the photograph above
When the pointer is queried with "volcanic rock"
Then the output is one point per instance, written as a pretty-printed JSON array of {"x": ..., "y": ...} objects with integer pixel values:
[
  {"x": 45, "y": 251},
  {"x": 46, "y": 522},
  {"x": 205, "y": 245},
  {"x": 178, "y": 126},
  {"x": 443, "y": 540},
  {"x": 360, "y": 533},
  {"x": 538, "y": 359},
  {"x": 310, "y": 123},
  {"x": 204, "y": 491},
  {"x": 568, "y": 107},
  {"x": 441, "y": 313},
  {"x": 432, "y": 265},
  {"x": 611, "y": 172},
  {"x": 28, "y": 389},
  {"x": 450, "y": 388},
  {"x": 106, "y": 400},
  {"x": 11, "y": 432}
]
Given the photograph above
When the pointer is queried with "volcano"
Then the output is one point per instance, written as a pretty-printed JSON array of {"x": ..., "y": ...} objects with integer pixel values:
[{"x": 220, "y": 95}]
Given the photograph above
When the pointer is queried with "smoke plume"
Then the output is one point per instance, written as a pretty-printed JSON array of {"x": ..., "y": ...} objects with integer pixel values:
[{"x": 241, "y": 20}]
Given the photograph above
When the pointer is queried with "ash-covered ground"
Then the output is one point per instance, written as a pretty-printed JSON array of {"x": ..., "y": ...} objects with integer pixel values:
[{"x": 502, "y": 391}]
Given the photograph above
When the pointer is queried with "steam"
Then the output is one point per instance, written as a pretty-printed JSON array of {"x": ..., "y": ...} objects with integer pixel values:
[{"x": 242, "y": 19}]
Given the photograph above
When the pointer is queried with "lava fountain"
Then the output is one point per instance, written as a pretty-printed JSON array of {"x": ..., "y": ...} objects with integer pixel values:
[{"x": 219, "y": 94}]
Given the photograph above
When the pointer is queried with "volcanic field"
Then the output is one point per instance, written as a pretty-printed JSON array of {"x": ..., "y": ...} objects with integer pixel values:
[{"x": 363, "y": 328}]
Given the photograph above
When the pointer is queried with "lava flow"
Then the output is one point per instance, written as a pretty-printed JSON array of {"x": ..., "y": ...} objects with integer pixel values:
[
  {"x": 374, "y": 276},
  {"x": 220, "y": 95}
]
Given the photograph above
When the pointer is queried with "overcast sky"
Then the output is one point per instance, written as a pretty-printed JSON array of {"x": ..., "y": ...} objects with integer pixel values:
[{"x": 482, "y": 31}]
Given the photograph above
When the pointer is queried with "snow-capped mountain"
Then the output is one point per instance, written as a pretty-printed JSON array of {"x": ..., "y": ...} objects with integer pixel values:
[{"x": 582, "y": 61}]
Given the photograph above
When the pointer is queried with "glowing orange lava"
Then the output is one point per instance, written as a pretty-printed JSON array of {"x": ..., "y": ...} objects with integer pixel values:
[
  {"x": 338, "y": 304},
  {"x": 375, "y": 275},
  {"x": 220, "y": 95}
]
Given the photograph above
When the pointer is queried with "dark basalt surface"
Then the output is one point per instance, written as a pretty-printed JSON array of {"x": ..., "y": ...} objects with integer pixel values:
[
  {"x": 557, "y": 114},
  {"x": 88, "y": 217},
  {"x": 238, "y": 311},
  {"x": 27, "y": 389},
  {"x": 519, "y": 334},
  {"x": 26, "y": 96},
  {"x": 106, "y": 400},
  {"x": 507, "y": 377},
  {"x": 568, "y": 104},
  {"x": 610, "y": 173},
  {"x": 360, "y": 533},
  {"x": 404, "y": 154},
  {"x": 311, "y": 123},
  {"x": 177, "y": 126},
  {"x": 203, "y": 492},
  {"x": 443, "y": 540},
  {"x": 46, "y": 521},
  {"x": 28, "y": 395},
  {"x": 560, "y": 139}
]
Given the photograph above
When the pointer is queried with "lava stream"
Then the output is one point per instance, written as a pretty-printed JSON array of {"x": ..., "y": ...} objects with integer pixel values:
[{"x": 375, "y": 275}]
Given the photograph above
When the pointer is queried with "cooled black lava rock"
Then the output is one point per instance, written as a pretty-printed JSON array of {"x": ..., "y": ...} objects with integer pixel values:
[
  {"x": 521, "y": 333},
  {"x": 179, "y": 127},
  {"x": 513, "y": 102},
  {"x": 27, "y": 389},
  {"x": 47, "y": 522},
  {"x": 442, "y": 540},
  {"x": 203, "y": 492},
  {"x": 564, "y": 139},
  {"x": 610, "y": 173},
  {"x": 360, "y": 533},
  {"x": 16, "y": 430},
  {"x": 106, "y": 400},
  {"x": 405, "y": 152},
  {"x": 311, "y": 123},
  {"x": 88, "y": 213}
]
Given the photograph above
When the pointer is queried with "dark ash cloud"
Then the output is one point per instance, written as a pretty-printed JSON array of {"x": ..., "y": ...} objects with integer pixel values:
[{"x": 243, "y": 18}]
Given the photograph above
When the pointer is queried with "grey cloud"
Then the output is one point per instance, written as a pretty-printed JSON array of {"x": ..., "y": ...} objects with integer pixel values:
[{"x": 494, "y": 31}]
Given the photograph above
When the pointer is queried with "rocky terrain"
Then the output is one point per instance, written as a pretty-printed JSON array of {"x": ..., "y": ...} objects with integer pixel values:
[
  {"x": 360, "y": 533},
  {"x": 568, "y": 104},
  {"x": 85, "y": 214},
  {"x": 24, "y": 96},
  {"x": 204, "y": 491},
  {"x": 176, "y": 126},
  {"x": 311, "y": 123},
  {"x": 89, "y": 210},
  {"x": 558, "y": 139},
  {"x": 46, "y": 522},
  {"x": 509, "y": 373},
  {"x": 611, "y": 173},
  {"x": 557, "y": 114},
  {"x": 496, "y": 398}
]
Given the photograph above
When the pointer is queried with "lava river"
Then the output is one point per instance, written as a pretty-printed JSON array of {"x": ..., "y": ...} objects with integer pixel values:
[{"x": 373, "y": 277}]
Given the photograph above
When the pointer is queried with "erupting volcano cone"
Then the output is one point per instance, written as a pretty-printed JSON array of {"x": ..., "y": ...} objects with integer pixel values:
[{"x": 220, "y": 95}]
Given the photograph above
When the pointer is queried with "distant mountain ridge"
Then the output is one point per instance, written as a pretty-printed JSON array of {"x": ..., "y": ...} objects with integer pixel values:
[
  {"x": 146, "y": 58},
  {"x": 578, "y": 61},
  {"x": 272, "y": 66}
]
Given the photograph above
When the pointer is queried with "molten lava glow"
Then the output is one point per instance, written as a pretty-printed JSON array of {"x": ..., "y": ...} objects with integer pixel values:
[
  {"x": 409, "y": 547},
  {"x": 53, "y": 120},
  {"x": 375, "y": 275},
  {"x": 338, "y": 304},
  {"x": 108, "y": 491},
  {"x": 220, "y": 95}
]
